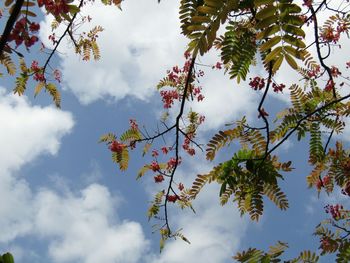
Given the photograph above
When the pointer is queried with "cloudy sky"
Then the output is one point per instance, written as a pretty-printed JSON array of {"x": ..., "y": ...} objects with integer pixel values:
[{"x": 63, "y": 198}]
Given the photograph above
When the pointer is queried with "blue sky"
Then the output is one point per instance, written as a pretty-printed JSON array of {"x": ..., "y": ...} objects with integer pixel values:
[{"x": 64, "y": 199}]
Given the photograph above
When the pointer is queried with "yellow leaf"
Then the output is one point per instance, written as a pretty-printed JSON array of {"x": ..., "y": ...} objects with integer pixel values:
[
  {"x": 290, "y": 60},
  {"x": 38, "y": 88},
  {"x": 277, "y": 64}
]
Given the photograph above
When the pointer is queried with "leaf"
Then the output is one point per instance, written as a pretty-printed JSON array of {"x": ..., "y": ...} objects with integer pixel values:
[
  {"x": 8, "y": 2},
  {"x": 73, "y": 9},
  {"x": 273, "y": 54},
  {"x": 142, "y": 171},
  {"x": 38, "y": 88},
  {"x": 8, "y": 258},
  {"x": 266, "y": 12},
  {"x": 277, "y": 64},
  {"x": 267, "y": 22},
  {"x": 28, "y": 3},
  {"x": 270, "y": 43},
  {"x": 28, "y": 13},
  {"x": 291, "y": 61},
  {"x": 146, "y": 148},
  {"x": 207, "y": 10},
  {"x": 268, "y": 32},
  {"x": 56, "y": 96}
]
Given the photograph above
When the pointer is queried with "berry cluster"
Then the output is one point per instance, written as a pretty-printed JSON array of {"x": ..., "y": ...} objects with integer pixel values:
[
  {"x": 23, "y": 32},
  {"x": 38, "y": 72},
  {"x": 330, "y": 85},
  {"x": 334, "y": 210},
  {"x": 330, "y": 34},
  {"x": 172, "y": 198},
  {"x": 327, "y": 244},
  {"x": 168, "y": 97},
  {"x": 314, "y": 72},
  {"x": 117, "y": 146},
  {"x": 218, "y": 65},
  {"x": 177, "y": 78},
  {"x": 186, "y": 146},
  {"x": 278, "y": 87},
  {"x": 55, "y": 7},
  {"x": 158, "y": 178},
  {"x": 335, "y": 71},
  {"x": 257, "y": 83},
  {"x": 346, "y": 189}
]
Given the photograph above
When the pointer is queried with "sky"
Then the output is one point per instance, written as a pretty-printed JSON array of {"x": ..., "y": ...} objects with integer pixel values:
[{"x": 64, "y": 199}]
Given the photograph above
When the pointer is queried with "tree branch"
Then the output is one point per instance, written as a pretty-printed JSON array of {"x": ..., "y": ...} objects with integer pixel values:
[{"x": 9, "y": 25}]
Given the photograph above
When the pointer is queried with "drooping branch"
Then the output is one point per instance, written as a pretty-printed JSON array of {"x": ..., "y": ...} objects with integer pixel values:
[
  {"x": 177, "y": 140},
  {"x": 67, "y": 31},
  {"x": 305, "y": 118},
  {"x": 9, "y": 24}
]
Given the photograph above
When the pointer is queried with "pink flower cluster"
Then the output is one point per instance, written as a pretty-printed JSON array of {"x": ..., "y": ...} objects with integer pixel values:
[{"x": 23, "y": 31}]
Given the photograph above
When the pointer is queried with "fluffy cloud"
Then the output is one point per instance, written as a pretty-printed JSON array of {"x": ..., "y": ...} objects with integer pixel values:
[
  {"x": 137, "y": 46},
  {"x": 28, "y": 131},
  {"x": 78, "y": 227},
  {"x": 81, "y": 227}
]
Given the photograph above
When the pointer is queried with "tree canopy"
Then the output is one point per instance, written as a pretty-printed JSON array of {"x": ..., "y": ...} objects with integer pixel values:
[{"x": 262, "y": 34}]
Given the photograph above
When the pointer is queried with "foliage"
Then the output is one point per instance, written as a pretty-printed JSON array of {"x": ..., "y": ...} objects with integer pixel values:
[
  {"x": 7, "y": 258},
  {"x": 257, "y": 33}
]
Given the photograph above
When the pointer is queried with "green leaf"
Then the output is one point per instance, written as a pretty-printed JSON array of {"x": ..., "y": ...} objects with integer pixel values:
[
  {"x": 262, "y": 2},
  {"x": 273, "y": 54},
  {"x": 73, "y": 9},
  {"x": 8, "y": 258},
  {"x": 291, "y": 61},
  {"x": 201, "y": 19},
  {"x": 289, "y": 8},
  {"x": 28, "y": 13},
  {"x": 207, "y": 10},
  {"x": 213, "y": 3},
  {"x": 277, "y": 64},
  {"x": 28, "y": 3},
  {"x": 267, "y": 22},
  {"x": 270, "y": 43},
  {"x": 268, "y": 32},
  {"x": 294, "y": 30},
  {"x": 266, "y": 12},
  {"x": 294, "y": 41},
  {"x": 196, "y": 28}
]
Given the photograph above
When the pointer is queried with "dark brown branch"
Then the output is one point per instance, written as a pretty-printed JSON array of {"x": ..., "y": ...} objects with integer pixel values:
[
  {"x": 262, "y": 112},
  {"x": 304, "y": 118},
  {"x": 62, "y": 36},
  {"x": 194, "y": 142},
  {"x": 9, "y": 25},
  {"x": 177, "y": 138},
  {"x": 318, "y": 49}
]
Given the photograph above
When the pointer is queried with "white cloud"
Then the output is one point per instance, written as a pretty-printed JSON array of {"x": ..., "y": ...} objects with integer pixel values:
[
  {"x": 27, "y": 132},
  {"x": 77, "y": 227},
  {"x": 137, "y": 47},
  {"x": 83, "y": 228}
]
